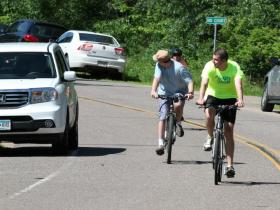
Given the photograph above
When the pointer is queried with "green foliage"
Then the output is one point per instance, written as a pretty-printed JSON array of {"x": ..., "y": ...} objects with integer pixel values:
[{"x": 251, "y": 34}]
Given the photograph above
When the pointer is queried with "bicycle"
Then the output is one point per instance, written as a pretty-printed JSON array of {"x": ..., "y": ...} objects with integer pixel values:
[
  {"x": 170, "y": 124},
  {"x": 218, "y": 153}
]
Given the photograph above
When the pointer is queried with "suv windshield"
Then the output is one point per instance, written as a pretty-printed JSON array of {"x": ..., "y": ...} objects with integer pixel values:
[{"x": 21, "y": 65}]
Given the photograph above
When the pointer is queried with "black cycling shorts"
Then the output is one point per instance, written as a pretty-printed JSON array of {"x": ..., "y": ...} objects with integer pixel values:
[{"x": 228, "y": 115}]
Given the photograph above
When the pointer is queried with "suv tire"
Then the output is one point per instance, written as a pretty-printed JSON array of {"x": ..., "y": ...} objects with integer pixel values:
[
  {"x": 74, "y": 134},
  {"x": 265, "y": 106},
  {"x": 61, "y": 144}
]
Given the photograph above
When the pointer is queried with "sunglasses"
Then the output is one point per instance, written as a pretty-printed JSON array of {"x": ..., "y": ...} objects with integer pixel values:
[{"x": 165, "y": 61}]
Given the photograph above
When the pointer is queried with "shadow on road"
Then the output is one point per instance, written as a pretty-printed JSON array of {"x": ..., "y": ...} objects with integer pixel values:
[
  {"x": 98, "y": 151},
  {"x": 249, "y": 183},
  {"x": 195, "y": 129},
  {"x": 26, "y": 151},
  {"x": 191, "y": 162},
  {"x": 47, "y": 151},
  {"x": 197, "y": 162}
]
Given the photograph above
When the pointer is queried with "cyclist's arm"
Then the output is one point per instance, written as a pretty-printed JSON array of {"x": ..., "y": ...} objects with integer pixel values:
[
  {"x": 155, "y": 85},
  {"x": 203, "y": 86},
  {"x": 190, "y": 93},
  {"x": 239, "y": 90}
]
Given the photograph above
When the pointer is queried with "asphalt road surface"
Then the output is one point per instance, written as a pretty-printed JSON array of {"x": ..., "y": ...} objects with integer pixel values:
[{"x": 116, "y": 166}]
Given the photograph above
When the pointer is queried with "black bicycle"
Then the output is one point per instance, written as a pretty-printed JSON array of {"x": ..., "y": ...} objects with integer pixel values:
[
  {"x": 170, "y": 124},
  {"x": 218, "y": 153}
]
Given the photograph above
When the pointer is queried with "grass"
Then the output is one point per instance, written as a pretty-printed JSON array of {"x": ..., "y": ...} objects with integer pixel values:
[{"x": 250, "y": 88}]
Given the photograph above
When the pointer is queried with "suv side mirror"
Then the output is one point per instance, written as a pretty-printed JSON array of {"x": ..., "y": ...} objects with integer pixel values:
[
  {"x": 69, "y": 76},
  {"x": 274, "y": 61}
]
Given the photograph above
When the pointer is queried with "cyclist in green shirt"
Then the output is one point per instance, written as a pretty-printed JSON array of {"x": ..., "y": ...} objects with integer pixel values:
[{"x": 221, "y": 84}]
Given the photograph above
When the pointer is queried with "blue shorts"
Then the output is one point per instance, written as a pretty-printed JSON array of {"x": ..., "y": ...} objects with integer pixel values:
[{"x": 164, "y": 106}]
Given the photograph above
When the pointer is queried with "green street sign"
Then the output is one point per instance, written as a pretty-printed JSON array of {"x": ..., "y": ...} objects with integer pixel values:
[{"x": 216, "y": 20}]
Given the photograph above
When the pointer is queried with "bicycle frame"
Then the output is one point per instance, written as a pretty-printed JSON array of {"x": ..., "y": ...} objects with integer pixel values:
[
  {"x": 170, "y": 125},
  {"x": 219, "y": 151}
]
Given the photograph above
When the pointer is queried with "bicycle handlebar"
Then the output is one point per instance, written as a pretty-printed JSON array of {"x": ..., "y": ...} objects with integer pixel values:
[
  {"x": 174, "y": 98},
  {"x": 220, "y": 108}
]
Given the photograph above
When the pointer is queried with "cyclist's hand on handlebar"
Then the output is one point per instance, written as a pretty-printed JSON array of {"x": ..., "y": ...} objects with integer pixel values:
[
  {"x": 154, "y": 94},
  {"x": 189, "y": 96},
  {"x": 200, "y": 102},
  {"x": 240, "y": 103}
]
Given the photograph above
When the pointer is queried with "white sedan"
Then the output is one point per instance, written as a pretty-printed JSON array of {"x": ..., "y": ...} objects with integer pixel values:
[{"x": 87, "y": 49}]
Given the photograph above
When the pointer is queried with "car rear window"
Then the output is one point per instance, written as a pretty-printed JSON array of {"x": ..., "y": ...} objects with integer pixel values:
[
  {"x": 15, "y": 65},
  {"x": 44, "y": 30},
  {"x": 97, "y": 38},
  {"x": 20, "y": 26}
]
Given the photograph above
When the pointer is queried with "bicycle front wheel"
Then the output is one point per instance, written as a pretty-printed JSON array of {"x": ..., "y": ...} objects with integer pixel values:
[
  {"x": 170, "y": 136},
  {"x": 217, "y": 160}
]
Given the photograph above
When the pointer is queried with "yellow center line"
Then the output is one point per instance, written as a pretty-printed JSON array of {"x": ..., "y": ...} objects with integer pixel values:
[{"x": 271, "y": 154}]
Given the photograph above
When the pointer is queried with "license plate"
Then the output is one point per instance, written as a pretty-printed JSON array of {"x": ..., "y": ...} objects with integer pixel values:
[
  {"x": 5, "y": 125},
  {"x": 102, "y": 63}
]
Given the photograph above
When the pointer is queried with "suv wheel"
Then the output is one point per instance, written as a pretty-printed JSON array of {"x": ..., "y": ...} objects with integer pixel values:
[
  {"x": 265, "y": 106},
  {"x": 61, "y": 143},
  {"x": 74, "y": 133}
]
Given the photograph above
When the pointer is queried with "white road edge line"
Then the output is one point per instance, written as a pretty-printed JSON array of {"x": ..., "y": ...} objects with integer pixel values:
[{"x": 46, "y": 179}]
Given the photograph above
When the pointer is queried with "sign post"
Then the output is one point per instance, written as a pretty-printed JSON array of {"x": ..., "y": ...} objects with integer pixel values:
[{"x": 215, "y": 21}]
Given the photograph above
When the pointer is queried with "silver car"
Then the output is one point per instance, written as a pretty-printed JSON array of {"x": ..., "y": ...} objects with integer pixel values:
[
  {"x": 95, "y": 50},
  {"x": 271, "y": 92}
]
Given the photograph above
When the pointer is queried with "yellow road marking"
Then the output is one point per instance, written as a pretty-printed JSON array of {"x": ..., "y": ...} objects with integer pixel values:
[{"x": 268, "y": 152}]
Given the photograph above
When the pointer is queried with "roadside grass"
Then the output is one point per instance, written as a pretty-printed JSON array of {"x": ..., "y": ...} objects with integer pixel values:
[
  {"x": 142, "y": 73},
  {"x": 277, "y": 107}
]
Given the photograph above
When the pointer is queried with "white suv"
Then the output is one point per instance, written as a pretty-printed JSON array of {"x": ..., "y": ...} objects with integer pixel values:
[{"x": 38, "y": 102}]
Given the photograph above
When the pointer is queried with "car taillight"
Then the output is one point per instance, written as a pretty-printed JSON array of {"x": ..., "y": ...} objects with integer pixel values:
[
  {"x": 119, "y": 51},
  {"x": 30, "y": 38},
  {"x": 85, "y": 47}
]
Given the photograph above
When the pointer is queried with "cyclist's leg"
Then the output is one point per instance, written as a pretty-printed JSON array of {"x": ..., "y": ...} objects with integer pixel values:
[
  {"x": 163, "y": 110},
  {"x": 179, "y": 107},
  {"x": 229, "y": 117},
  {"x": 161, "y": 129},
  {"x": 210, "y": 123},
  {"x": 228, "y": 130},
  {"x": 210, "y": 113}
]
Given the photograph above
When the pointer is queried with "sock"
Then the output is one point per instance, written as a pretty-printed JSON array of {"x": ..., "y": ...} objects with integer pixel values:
[{"x": 160, "y": 142}]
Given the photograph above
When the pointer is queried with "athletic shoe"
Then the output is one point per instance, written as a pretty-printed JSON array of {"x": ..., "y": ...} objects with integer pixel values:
[
  {"x": 179, "y": 130},
  {"x": 160, "y": 150},
  {"x": 230, "y": 172},
  {"x": 208, "y": 144}
]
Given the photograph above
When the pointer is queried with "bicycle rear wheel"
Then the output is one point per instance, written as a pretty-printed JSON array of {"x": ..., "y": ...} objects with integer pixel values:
[
  {"x": 170, "y": 136},
  {"x": 217, "y": 160}
]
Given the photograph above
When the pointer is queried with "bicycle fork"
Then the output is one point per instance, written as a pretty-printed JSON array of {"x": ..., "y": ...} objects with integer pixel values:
[{"x": 220, "y": 127}]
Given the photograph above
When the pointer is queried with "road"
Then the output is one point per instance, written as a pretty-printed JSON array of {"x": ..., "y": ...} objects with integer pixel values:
[{"x": 116, "y": 166}]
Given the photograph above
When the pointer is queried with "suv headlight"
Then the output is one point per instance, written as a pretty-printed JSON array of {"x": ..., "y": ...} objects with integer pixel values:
[{"x": 41, "y": 95}]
